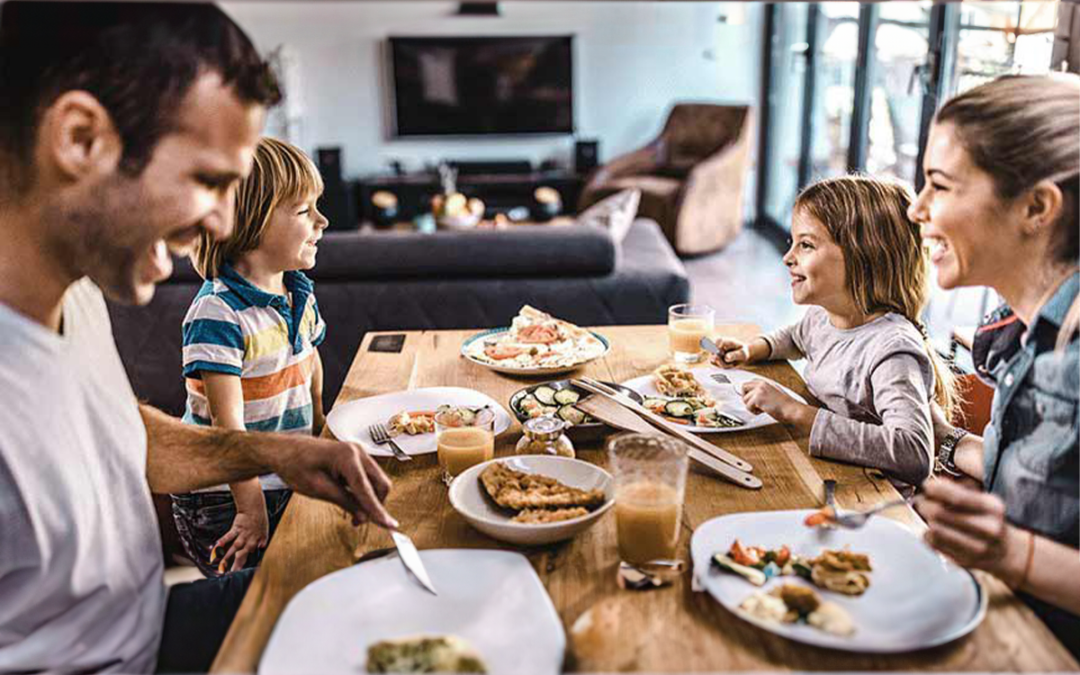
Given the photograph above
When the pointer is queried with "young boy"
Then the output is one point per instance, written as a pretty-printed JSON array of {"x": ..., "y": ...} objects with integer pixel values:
[{"x": 250, "y": 350}]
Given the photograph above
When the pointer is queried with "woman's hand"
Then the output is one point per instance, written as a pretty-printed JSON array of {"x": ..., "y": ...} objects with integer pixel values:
[
  {"x": 250, "y": 532},
  {"x": 760, "y": 396},
  {"x": 732, "y": 352},
  {"x": 969, "y": 526}
]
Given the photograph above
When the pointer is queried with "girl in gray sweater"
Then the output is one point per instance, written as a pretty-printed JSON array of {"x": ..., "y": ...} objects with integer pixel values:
[{"x": 858, "y": 260}]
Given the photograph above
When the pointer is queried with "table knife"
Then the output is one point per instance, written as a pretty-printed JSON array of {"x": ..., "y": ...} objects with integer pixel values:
[{"x": 410, "y": 557}]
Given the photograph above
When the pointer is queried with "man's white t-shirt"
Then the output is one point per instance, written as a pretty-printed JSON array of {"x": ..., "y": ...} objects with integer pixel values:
[{"x": 81, "y": 584}]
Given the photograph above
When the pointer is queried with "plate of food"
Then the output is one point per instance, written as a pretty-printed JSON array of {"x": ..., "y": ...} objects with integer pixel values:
[
  {"x": 558, "y": 399},
  {"x": 533, "y": 499},
  {"x": 409, "y": 417},
  {"x": 692, "y": 397},
  {"x": 492, "y": 614},
  {"x": 878, "y": 589},
  {"x": 535, "y": 344}
]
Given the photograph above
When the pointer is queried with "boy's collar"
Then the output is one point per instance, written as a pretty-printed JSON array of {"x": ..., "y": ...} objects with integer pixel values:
[{"x": 296, "y": 282}]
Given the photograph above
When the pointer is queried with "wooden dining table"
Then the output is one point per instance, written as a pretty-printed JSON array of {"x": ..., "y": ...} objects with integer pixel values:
[{"x": 667, "y": 629}]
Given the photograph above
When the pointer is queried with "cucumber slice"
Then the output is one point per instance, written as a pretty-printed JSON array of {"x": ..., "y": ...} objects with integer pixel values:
[
  {"x": 678, "y": 408},
  {"x": 571, "y": 414},
  {"x": 756, "y": 577},
  {"x": 545, "y": 395},
  {"x": 654, "y": 404},
  {"x": 567, "y": 396}
]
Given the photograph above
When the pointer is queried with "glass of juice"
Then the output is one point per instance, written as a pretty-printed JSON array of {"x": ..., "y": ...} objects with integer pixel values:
[
  {"x": 650, "y": 480},
  {"x": 687, "y": 324},
  {"x": 464, "y": 439}
]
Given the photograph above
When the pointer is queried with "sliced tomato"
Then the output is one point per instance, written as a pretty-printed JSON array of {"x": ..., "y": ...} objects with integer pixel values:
[
  {"x": 500, "y": 352},
  {"x": 821, "y": 517},
  {"x": 538, "y": 334},
  {"x": 783, "y": 555},
  {"x": 743, "y": 556}
]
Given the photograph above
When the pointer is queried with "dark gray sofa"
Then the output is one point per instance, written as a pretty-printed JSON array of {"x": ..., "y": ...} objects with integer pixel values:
[{"x": 480, "y": 279}]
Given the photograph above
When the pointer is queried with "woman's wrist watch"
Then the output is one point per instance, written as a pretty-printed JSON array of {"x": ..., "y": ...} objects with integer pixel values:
[{"x": 945, "y": 460}]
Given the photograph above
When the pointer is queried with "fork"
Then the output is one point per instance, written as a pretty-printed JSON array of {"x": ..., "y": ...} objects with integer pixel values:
[
  {"x": 854, "y": 521},
  {"x": 719, "y": 378},
  {"x": 381, "y": 436}
]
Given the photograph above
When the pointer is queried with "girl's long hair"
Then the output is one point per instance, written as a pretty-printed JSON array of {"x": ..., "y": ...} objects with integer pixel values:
[{"x": 885, "y": 262}]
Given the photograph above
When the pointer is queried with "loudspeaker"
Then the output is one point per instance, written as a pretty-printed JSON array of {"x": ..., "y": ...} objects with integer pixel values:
[
  {"x": 586, "y": 156},
  {"x": 338, "y": 204},
  {"x": 329, "y": 161}
]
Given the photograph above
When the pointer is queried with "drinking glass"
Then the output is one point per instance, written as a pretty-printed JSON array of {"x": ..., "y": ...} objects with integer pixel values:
[
  {"x": 462, "y": 444},
  {"x": 650, "y": 481},
  {"x": 687, "y": 324}
]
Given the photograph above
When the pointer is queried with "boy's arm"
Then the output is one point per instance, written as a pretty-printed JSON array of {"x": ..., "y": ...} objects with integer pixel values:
[
  {"x": 251, "y": 528},
  {"x": 318, "y": 418},
  {"x": 184, "y": 457}
]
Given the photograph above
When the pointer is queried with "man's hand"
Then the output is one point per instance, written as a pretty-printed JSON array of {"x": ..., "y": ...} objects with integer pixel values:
[
  {"x": 969, "y": 526},
  {"x": 337, "y": 472},
  {"x": 249, "y": 533}
]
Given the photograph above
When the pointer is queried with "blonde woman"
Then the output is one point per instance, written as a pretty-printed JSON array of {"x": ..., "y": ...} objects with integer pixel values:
[
  {"x": 857, "y": 259},
  {"x": 251, "y": 359},
  {"x": 999, "y": 209}
]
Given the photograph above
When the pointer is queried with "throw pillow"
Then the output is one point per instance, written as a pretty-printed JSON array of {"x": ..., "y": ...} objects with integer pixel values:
[{"x": 615, "y": 213}]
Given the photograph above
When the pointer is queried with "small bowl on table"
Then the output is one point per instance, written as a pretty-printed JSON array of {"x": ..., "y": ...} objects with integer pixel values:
[
  {"x": 470, "y": 499},
  {"x": 586, "y": 432}
]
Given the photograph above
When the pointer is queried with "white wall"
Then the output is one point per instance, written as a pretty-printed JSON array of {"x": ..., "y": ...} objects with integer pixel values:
[{"x": 632, "y": 60}]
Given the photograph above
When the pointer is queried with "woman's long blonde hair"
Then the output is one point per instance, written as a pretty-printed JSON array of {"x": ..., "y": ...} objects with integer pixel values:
[
  {"x": 885, "y": 263},
  {"x": 1022, "y": 130},
  {"x": 280, "y": 173}
]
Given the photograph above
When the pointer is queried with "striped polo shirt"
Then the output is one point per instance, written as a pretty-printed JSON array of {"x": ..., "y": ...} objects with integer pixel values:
[{"x": 236, "y": 328}]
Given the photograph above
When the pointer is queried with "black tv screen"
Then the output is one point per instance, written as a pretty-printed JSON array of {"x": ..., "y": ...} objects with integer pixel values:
[{"x": 482, "y": 85}]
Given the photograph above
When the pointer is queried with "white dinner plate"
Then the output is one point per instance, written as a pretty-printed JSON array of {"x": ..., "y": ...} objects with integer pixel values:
[
  {"x": 728, "y": 396},
  {"x": 546, "y": 370},
  {"x": 492, "y": 599},
  {"x": 349, "y": 421},
  {"x": 916, "y": 599}
]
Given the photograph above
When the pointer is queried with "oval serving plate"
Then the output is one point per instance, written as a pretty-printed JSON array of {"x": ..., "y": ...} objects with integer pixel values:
[
  {"x": 549, "y": 370},
  {"x": 579, "y": 433}
]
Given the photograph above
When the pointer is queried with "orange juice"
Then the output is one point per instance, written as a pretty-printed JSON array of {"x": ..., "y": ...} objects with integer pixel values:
[
  {"x": 684, "y": 335},
  {"x": 647, "y": 521},
  {"x": 462, "y": 447}
]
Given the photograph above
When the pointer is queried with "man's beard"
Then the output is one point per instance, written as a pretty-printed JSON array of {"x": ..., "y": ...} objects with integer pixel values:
[{"x": 103, "y": 239}]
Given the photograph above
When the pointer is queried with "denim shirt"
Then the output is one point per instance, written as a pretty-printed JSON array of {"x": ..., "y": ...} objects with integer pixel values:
[{"x": 1031, "y": 457}]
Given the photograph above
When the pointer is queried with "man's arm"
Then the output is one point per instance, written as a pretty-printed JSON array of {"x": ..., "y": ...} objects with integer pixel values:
[{"x": 185, "y": 457}]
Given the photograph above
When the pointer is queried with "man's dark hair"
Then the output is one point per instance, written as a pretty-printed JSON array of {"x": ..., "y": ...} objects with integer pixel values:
[{"x": 137, "y": 59}]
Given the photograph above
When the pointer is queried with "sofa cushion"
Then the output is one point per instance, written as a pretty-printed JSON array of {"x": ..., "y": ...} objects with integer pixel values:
[{"x": 615, "y": 213}]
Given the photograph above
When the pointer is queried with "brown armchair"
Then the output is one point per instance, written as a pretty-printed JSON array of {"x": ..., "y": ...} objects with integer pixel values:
[{"x": 691, "y": 176}]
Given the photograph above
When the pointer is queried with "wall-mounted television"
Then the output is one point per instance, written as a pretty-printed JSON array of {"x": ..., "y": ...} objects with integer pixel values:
[{"x": 482, "y": 85}]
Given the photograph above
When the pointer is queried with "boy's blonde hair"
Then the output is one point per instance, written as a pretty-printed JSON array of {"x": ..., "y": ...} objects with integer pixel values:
[
  {"x": 885, "y": 263},
  {"x": 281, "y": 173}
]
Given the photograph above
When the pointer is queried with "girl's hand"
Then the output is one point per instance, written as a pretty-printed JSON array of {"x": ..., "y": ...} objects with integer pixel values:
[
  {"x": 732, "y": 352},
  {"x": 249, "y": 533},
  {"x": 760, "y": 396},
  {"x": 968, "y": 525}
]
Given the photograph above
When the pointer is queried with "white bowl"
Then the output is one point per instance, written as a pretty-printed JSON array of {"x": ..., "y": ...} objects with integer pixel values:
[{"x": 468, "y": 498}]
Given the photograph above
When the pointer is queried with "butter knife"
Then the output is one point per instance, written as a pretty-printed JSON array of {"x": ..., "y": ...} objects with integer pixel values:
[{"x": 410, "y": 557}]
